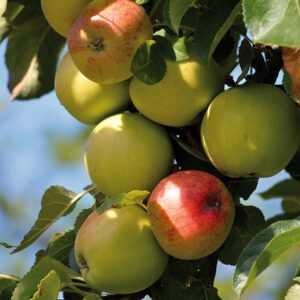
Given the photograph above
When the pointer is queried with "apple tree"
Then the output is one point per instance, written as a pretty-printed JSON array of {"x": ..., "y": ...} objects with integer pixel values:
[{"x": 171, "y": 87}]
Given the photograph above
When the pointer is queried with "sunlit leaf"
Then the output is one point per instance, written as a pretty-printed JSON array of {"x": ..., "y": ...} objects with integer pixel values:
[
  {"x": 48, "y": 288},
  {"x": 263, "y": 250}
]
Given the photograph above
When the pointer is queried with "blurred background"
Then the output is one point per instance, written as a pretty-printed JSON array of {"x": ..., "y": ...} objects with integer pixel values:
[{"x": 42, "y": 145}]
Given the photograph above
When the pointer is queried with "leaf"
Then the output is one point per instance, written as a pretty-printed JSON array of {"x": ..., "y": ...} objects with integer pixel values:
[
  {"x": 293, "y": 168},
  {"x": 6, "y": 281},
  {"x": 245, "y": 58},
  {"x": 130, "y": 198},
  {"x": 178, "y": 283},
  {"x": 60, "y": 248},
  {"x": 174, "y": 10},
  {"x": 6, "y": 245},
  {"x": 48, "y": 288},
  {"x": 231, "y": 250},
  {"x": 212, "y": 26},
  {"x": 273, "y": 22},
  {"x": 293, "y": 292},
  {"x": 55, "y": 203},
  {"x": 263, "y": 250},
  {"x": 287, "y": 189},
  {"x": 291, "y": 62},
  {"x": 242, "y": 187},
  {"x": 29, "y": 283},
  {"x": 146, "y": 65},
  {"x": 32, "y": 74}
]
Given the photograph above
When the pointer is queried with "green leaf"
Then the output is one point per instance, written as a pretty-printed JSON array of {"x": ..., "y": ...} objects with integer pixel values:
[
  {"x": 293, "y": 292},
  {"x": 6, "y": 245},
  {"x": 287, "y": 189},
  {"x": 245, "y": 58},
  {"x": 130, "y": 198},
  {"x": 174, "y": 10},
  {"x": 6, "y": 281},
  {"x": 55, "y": 203},
  {"x": 263, "y": 250},
  {"x": 242, "y": 187},
  {"x": 48, "y": 288},
  {"x": 60, "y": 248},
  {"x": 32, "y": 74},
  {"x": 212, "y": 26},
  {"x": 29, "y": 283},
  {"x": 231, "y": 250},
  {"x": 293, "y": 168},
  {"x": 273, "y": 23}
]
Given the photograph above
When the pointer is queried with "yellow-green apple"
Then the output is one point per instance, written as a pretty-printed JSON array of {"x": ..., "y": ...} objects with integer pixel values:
[
  {"x": 61, "y": 14},
  {"x": 104, "y": 39},
  {"x": 250, "y": 130},
  {"x": 128, "y": 152},
  {"x": 186, "y": 89},
  {"x": 191, "y": 214},
  {"x": 117, "y": 252},
  {"x": 88, "y": 101}
]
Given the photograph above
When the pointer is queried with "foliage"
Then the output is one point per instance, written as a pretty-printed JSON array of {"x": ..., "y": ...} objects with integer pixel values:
[{"x": 262, "y": 38}]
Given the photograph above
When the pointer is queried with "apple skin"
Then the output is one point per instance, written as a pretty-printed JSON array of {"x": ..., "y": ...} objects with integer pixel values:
[
  {"x": 186, "y": 89},
  {"x": 250, "y": 130},
  {"x": 128, "y": 152},
  {"x": 117, "y": 251},
  {"x": 104, "y": 39},
  {"x": 87, "y": 101},
  {"x": 191, "y": 214},
  {"x": 61, "y": 14}
]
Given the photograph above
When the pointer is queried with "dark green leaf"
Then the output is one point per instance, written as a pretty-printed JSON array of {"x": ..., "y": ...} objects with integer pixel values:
[
  {"x": 285, "y": 189},
  {"x": 60, "y": 248},
  {"x": 263, "y": 250},
  {"x": 6, "y": 281},
  {"x": 242, "y": 187},
  {"x": 6, "y": 245},
  {"x": 174, "y": 10},
  {"x": 212, "y": 26},
  {"x": 245, "y": 58},
  {"x": 29, "y": 283},
  {"x": 32, "y": 74},
  {"x": 92, "y": 297},
  {"x": 231, "y": 249},
  {"x": 273, "y": 24},
  {"x": 293, "y": 168},
  {"x": 55, "y": 203},
  {"x": 147, "y": 65},
  {"x": 130, "y": 198},
  {"x": 48, "y": 288}
]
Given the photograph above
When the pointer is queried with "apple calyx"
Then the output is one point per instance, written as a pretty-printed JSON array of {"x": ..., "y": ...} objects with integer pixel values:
[
  {"x": 97, "y": 45},
  {"x": 82, "y": 262},
  {"x": 213, "y": 202}
]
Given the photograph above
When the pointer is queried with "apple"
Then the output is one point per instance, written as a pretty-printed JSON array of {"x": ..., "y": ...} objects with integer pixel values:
[
  {"x": 250, "y": 130},
  {"x": 104, "y": 39},
  {"x": 128, "y": 152},
  {"x": 89, "y": 102},
  {"x": 186, "y": 89},
  {"x": 61, "y": 14},
  {"x": 191, "y": 214},
  {"x": 117, "y": 252}
]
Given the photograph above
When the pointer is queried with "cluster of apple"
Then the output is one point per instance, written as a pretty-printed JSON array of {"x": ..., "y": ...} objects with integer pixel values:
[{"x": 249, "y": 130}]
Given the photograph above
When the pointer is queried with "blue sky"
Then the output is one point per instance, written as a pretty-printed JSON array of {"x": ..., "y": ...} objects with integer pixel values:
[{"x": 28, "y": 168}]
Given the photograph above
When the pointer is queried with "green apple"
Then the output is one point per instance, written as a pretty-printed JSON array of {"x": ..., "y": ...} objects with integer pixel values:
[
  {"x": 88, "y": 101},
  {"x": 186, "y": 89},
  {"x": 117, "y": 251},
  {"x": 104, "y": 39},
  {"x": 61, "y": 14},
  {"x": 128, "y": 152},
  {"x": 250, "y": 130}
]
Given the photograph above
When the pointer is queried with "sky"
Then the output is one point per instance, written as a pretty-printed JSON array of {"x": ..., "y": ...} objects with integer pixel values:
[{"x": 28, "y": 168}]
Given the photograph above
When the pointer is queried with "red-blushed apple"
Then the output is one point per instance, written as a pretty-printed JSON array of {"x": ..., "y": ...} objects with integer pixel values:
[
  {"x": 104, "y": 39},
  {"x": 191, "y": 214}
]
